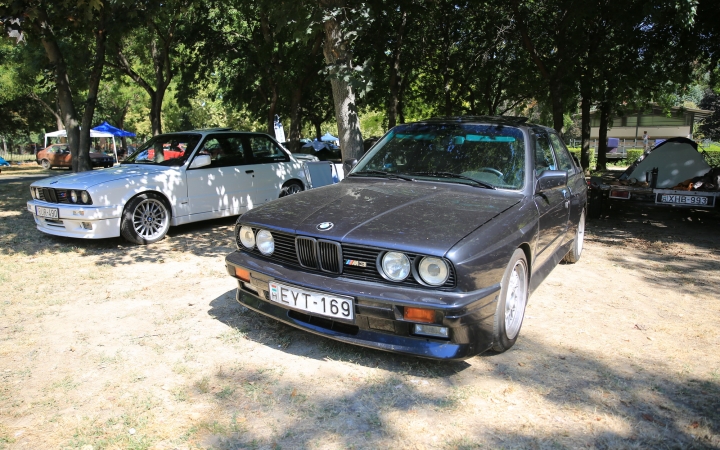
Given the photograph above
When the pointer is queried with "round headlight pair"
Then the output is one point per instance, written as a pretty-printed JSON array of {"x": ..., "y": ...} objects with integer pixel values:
[
  {"x": 264, "y": 240},
  {"x": 433, "y": 271},
  {"x": 82, "y": 195}
]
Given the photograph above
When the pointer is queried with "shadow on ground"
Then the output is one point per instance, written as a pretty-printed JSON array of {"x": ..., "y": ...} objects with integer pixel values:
[{"x": 658, "y": 407}]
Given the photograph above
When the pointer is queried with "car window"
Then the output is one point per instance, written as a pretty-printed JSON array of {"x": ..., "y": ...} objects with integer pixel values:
[
  {"x": 264, "y": 150},
  {"x": 544, "y": 159},
  {"x": 167, "y": 150},
  {"x": 564, "y": 159},
  {"x": 224, "y": 151},
  {"x": 450, "y": 153}
]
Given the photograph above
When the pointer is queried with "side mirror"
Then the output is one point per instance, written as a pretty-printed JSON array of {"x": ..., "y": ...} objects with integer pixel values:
[
  {"x": 551, "y": 179},
  {"x": 349, "y": 164},
  {"x": 200, "y": 161}
]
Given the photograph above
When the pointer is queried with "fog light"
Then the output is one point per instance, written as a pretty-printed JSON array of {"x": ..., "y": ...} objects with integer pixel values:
[
  {"x": 419, "y": 315},
  {"x": 432, "y": 330},
  {"x": 87, "y": 225},
  {"x": 243, "y": 274},
  {"x": 251, "y": 287}
]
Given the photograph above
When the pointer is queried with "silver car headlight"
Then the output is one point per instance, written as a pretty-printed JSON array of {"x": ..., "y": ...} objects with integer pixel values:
[
  {"x": 396, "y": 266},
  {"x": 433, "y": 271},
  {"x": 247, "y": 237},
  {"x": 73, "y": 196},
  {"x": 33, "y": 194},
  {"x": 265, "y": 242},
  {"x": 85, "y": 197}
]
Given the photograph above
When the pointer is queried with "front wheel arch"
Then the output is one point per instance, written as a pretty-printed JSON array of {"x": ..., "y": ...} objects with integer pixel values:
[
  {"x": 285, "y": 189},
  {"x": 125, "y": 228}
]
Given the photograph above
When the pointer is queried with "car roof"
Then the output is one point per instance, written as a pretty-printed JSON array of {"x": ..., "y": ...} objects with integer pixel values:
[{"x": 515, "y": 121}]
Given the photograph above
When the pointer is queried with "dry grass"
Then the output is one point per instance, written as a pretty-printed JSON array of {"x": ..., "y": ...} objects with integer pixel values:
[{"x": 107, "y": 345}]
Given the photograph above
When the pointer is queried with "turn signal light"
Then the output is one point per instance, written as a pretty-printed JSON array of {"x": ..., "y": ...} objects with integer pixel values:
[
  {"x": 243, "y": 274},
  {"x": 419, "y": 315}
]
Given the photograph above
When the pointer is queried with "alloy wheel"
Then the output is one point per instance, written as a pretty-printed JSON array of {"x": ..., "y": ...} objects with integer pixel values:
[
  {"x": 515, "y": 299},
  {"x": 150, "y": 219}
]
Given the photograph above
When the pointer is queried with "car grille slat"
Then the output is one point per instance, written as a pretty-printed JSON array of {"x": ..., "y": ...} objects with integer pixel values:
[
  {"x": 306, "y": 252},
  {"x": 335, "y": 258},
  {"x": 52, "y": 195},
  {"x": 330, "y": 256}
]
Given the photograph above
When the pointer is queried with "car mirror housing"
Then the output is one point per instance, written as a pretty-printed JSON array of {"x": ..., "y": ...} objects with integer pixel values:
[
  {"x": 551, "y": 179},
  {"x": 349, "y": 164},
  {"x": 200, "y": 161}
]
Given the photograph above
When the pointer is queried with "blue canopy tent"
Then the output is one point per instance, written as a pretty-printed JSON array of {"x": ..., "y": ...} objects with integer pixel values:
[{"x": 107, "y": 128}]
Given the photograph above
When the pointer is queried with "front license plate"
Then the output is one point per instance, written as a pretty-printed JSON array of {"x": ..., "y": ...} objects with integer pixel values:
[
  {"x": 683, "y": 199},
  {"x": 50, "y": 213},
  {"x": 325, "y": 304}
]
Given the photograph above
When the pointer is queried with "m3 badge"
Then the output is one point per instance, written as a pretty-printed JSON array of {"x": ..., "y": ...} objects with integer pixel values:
[{"x": 356, "y": 263}]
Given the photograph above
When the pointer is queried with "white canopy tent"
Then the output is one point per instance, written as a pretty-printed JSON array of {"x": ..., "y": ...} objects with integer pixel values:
[{"x": 93, "y": 134}]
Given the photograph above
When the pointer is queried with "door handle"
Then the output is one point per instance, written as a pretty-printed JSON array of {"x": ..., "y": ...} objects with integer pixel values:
[
  {"x": 567, "y": 204},
  {"x": 249, "y": 171}
]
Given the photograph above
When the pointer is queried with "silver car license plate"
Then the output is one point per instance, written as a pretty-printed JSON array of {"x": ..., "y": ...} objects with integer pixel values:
[
  {"x": 322, "y": 303},
  {"x": 50, "y": 213},
  {"x": 683, "y": 199}
]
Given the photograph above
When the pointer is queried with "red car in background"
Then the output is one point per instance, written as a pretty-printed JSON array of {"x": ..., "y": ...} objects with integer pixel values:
[{"x": 58, "y": 155}]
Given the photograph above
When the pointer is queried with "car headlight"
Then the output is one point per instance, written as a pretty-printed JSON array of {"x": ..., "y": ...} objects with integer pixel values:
[
  {"x": 247, "y": 237},
  {"x": 85, "y": 197},
  {"x": 433, "y": 271},
  {"x": 73, "y": 196},
  {"x": 33, "y": 194},
  {"x": 396, "y": 266},
  {"x": 265, "y": 242}
]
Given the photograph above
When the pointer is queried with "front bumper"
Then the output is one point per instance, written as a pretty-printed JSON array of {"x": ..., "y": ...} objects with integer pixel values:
[
  {"x": 379, "y": 310},
  {"x": 79, "y": 221}
]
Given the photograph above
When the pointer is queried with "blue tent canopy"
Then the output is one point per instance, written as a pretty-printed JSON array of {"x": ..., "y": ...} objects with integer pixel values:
[{"x": 107, "y": 128}]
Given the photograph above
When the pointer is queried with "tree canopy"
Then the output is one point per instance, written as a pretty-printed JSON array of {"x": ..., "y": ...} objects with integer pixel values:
[{"x": 323, "y": 65}]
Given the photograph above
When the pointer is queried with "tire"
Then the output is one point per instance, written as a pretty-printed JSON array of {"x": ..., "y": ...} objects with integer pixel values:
[
  {"x": 145, "y": 220},
  {"x": 511, "y": 303},
  {"x": 573, "y": 255},
  {"x": 290, "y": 188},
  {"x": 45, "y": 164},
  {"x": 595, "y": 205}
]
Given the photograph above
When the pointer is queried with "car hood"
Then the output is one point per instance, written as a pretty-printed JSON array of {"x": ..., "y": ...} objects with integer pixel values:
[
  {"x": 84, "y": 180},
  {"x": 413, "y": 216}
]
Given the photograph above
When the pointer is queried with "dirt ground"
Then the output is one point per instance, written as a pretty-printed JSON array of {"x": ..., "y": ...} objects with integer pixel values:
[{"x": 104, "y": 344}]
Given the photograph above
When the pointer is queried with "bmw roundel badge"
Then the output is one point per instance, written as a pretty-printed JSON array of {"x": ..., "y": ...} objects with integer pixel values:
[{"x": 324, "y": 226}]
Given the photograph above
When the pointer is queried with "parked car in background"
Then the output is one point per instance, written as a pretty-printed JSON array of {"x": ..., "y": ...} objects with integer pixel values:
[
  {"x": 58, "y": 155},
  {"x": 172, "y": 179},
  {"x": 430, "y": 246}
]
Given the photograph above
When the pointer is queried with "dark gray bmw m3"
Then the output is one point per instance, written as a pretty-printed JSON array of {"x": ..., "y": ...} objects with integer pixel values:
[{"x": 430, "y": 246}]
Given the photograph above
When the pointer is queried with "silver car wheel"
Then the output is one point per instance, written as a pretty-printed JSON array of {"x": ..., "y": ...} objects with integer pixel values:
[
  {"x": 581, "y": 234},
  {"x": 150, "y": 219},
  {"x": 515, "y": 299}
]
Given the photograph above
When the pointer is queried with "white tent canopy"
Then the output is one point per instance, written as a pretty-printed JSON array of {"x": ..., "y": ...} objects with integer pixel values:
[{"x": 93, "y": 134}]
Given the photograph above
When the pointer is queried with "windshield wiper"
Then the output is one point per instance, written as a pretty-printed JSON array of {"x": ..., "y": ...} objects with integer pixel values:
[
  {"x": 456, "y": 175},
  {"x": 380, "y": 172}
]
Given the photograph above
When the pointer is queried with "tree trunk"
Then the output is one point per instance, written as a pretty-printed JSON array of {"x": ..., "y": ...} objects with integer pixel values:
[
  {"x": 83, "y": 162},
  {"x": 62, "y": 84},
  {"x": 271, "y": 113},
  {"x": 156, "y": 113},
  {"x": 557, "y": 107},
  {"x": 318, "y": 131},
  {"x": 338, "y": 55},
  {"x": 395, "y": 78},
  {"x": 602, "y": 139},
  {"x": 295, "y": 120},
  {"x": 585, "y": 104}
]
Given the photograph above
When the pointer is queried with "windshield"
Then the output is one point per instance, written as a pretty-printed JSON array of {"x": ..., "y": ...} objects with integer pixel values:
[
  {"x": 491, "y": 155},
  {"x": 165, "y": 150}
]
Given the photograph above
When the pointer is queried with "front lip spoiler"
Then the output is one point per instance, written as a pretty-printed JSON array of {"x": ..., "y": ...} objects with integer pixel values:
[{"x": 425, "y": 348}]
